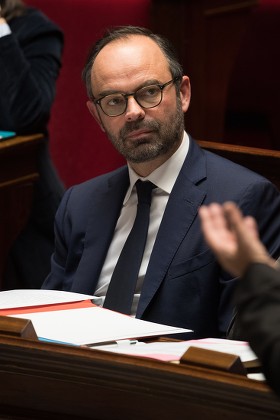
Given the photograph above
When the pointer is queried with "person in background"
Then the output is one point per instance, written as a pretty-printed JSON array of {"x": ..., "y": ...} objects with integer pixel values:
[
  {"x": 235, "y": 241},
  {"x": 30, "y": 59},
  {"x": 138, "y": 95}
]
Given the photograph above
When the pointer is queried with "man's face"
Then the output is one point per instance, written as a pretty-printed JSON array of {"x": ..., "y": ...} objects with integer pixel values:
[{"x": 139, "y": 134}]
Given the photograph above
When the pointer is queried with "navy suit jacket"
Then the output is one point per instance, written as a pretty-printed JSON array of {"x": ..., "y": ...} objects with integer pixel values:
[
  {"x": 184, "y": 285},
  {"x": 30, "y": 61}
]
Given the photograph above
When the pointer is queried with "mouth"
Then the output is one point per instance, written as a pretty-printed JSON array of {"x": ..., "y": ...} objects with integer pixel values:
[{"x": 138, "y": 134}]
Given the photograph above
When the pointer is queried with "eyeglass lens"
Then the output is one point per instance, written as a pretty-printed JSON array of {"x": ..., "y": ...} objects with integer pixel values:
[{"x": 147, "y": 97}]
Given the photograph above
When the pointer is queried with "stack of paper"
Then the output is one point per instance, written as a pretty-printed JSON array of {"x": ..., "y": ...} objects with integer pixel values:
[
  {"x": 173, "y": 351},
  {"x": 73, "y": 319}
]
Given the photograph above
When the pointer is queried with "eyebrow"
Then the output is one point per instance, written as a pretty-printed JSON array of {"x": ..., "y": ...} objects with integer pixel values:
[{"x": 113, "y": 91}]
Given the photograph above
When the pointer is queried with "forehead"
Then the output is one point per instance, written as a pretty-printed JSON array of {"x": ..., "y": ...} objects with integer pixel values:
[{"x": 126, "y": 63}]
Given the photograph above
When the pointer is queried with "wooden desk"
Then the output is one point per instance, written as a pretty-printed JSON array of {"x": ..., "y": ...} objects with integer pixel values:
[
  {"x": 50, "y": 381},
  {"x": 18, "y": 173}
]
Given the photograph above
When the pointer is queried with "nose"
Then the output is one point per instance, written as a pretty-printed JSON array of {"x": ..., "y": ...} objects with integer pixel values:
[{"x": 133, "y": 111}]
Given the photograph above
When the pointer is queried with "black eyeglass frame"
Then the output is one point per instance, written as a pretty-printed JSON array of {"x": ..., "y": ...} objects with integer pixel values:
[{"x": 126, "y": 95}]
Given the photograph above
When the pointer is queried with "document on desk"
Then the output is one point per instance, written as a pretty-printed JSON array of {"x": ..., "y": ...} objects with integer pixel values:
[
  {"x": 173, "y": 351},
  {"x": 75, "y": 318},
  {"x": 20, "y": 298},
  {"x": 91, "y": 325}
]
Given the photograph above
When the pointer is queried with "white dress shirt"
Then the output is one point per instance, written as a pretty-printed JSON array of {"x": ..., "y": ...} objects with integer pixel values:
[
  {"x": 164, "y": 178},
  {"x": 4, "y": 30}
]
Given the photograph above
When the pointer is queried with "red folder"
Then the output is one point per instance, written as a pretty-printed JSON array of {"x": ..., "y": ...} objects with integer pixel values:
[{"x": 46, "y": 308}]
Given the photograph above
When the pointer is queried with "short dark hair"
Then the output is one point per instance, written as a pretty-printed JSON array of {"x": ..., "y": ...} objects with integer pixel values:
[
  {"x": 11, "y": 9},
  {"x": 122, "y": 32}
]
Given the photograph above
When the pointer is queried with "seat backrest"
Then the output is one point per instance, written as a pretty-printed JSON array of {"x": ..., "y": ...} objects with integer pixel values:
[
  {"x": 80, "y": 150},
  {"x": 263, "y": 161}
]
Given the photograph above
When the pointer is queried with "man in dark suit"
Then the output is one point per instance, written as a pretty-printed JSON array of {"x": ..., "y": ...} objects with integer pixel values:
[
  {"x": 138, "y": 95},
  {"x": 236, "y": 243},
  {"x": 30, "y": 59}
]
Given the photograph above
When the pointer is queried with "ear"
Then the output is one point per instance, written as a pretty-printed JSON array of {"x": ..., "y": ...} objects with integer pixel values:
[
  {"x": 185, "y": 93},
  {"x": 94, "y": 112}
]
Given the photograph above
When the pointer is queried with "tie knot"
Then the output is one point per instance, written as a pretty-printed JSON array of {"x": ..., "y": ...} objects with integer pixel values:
[{"x": 144, "y": 191}]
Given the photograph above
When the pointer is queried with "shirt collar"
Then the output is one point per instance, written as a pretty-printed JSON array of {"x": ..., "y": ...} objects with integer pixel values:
[{"x": 165, "y": 175}]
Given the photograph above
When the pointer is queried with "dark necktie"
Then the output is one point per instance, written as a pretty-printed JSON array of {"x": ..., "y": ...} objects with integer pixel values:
[{"x": 122, "y": 286}]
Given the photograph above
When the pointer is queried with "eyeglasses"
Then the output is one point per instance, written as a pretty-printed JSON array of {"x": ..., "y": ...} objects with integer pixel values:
[{"x": 147, "y": 97}]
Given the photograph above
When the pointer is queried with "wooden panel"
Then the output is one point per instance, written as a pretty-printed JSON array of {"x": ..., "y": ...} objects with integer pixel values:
[
  {"x": 207, "y": 36},
  {"x": 49, "y": 381},
  {"x": 18, "y": 173}
]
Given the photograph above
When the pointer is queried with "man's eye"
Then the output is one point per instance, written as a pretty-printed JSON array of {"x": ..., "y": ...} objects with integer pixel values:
[
  {"x": 150, "y": 91},
  {"x": 114, "y": 101}
]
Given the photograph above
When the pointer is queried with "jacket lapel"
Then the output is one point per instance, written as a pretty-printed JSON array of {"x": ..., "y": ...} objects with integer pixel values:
[
  {"x": 180, "y": 212},
  {"x": 106, "y": 208}
]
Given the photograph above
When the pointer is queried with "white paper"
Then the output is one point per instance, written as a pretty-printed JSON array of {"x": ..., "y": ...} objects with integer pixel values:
[
  {"x": 20, "y": 298},
  {"x": 173, "y": 351},
  {"x": 93, "y": 325}
]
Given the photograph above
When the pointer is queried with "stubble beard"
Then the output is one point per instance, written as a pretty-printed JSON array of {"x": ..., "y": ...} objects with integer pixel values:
[{"x": 164, "y": 137}]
